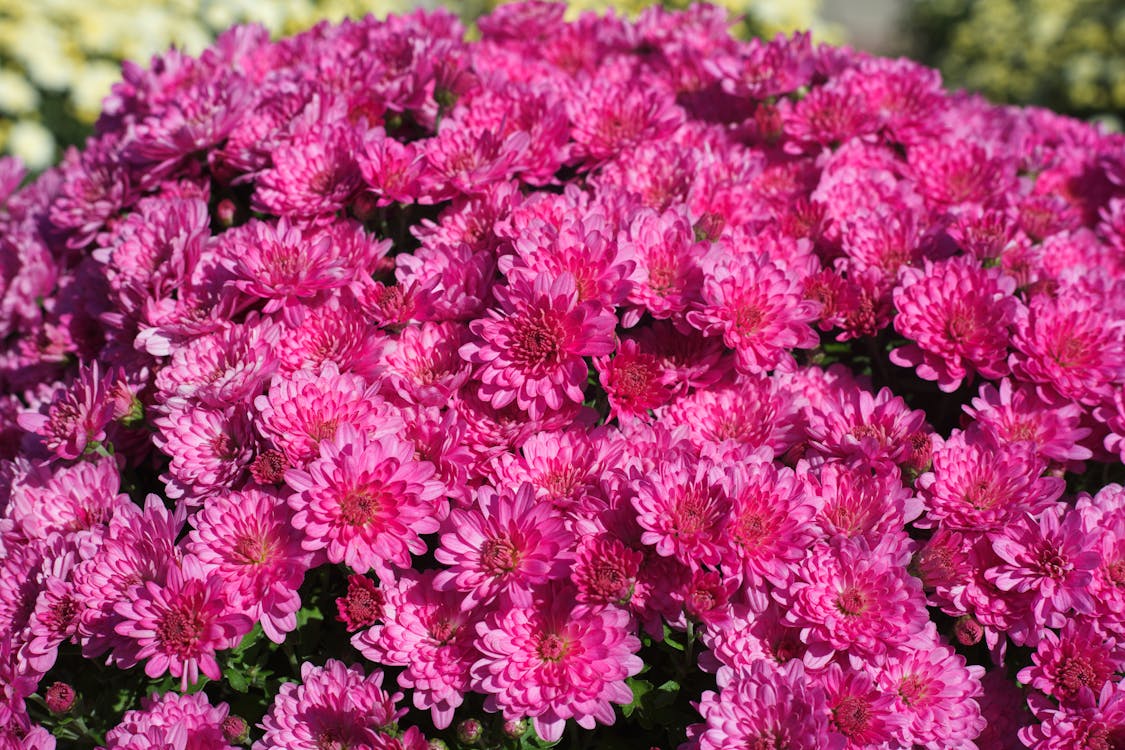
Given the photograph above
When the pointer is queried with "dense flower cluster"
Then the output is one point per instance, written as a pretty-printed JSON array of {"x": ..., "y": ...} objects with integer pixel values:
[{"x": 549, "y": 355}]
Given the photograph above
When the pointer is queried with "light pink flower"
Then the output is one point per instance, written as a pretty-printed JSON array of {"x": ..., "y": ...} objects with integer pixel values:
[
  {"x": 1080, "y": 657},
  {"x": 1015, "y": 413},
  {"x": 76, "y": 420},
  {"x": 366, "y": 501},
  {"x": 555, "y": 660},
  {"x": 171, "y": 721},
  {"x": 684, "y": 508}
]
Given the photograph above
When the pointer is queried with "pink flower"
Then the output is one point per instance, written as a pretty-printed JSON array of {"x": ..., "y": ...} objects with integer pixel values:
[
  {"x": 77, "y": 418},
  {"x": 507, "y": 544},
  {"x": 222, "y": 368},
  {"x": 1014, "y": 413},
  {"x": 366, "y": 501},
  {"x": 848, "y": 598},
  {"x": 247, "y": 538},
  {"x": 684, "y": 508},
  {"x": 1079, "y": 657},
  {"x": 1073, "y": 345},
  {"x": 210, "y": 449},
  {"x": 757, "y": 306},
  {"x": 179, "y": 626},
  {"x": 424, "y": 367},
  {"x": 1053, "y": 555},
  {"x": 332, "y": 706},
  {"x": 633, "y": 381},
  {"x": 861, "y": 712},
  {"x": 981, "y": 483},
  {"x": 431, "y": 633},
  {"x": 530, "y": 350},
  {"x": 935, "y": 693},
  {"x": 956, "y": 315},
  {"x": 667, "y": 276},
  {"x": 363, "y": 605},
  {"x": 1099, "y": 720},
  {"x": 605, "y": 571},
  {"x": 171, "y": 721},
  {"x": 766, "y": 706},
  {"x": 855, "y": 501},
  {"x": 853, "y": 425},
  {"x": 553, "y": 660}
]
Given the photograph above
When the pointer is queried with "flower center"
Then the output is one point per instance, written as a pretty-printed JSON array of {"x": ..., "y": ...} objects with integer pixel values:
[
  {"x": 62, "y": 614},
  {"x": 1076, "y": 672},
  {"x": 1116, "y": 572},
  {"x": 179, "y": 631},
  {"x": 692, "y": 511},
  {"x": 252, "y": 549},
  {"x": 852, "y": 715},
  {"x": 852, "y": 601},
  {"x": 632, "y": 379},
  {"x": 359, "y": 507},
  {"x": 552, "y": 647},
  {"x": 499, "y": 555},
  {"x": 913, "y": 690},
  {"x": 1053, "y": 563},
  {"x": 748, "y": 319},
  {"x": 608, "y": 582},
  {"x": 981, "y": 495},
  {"x": 538, "y": 339}
]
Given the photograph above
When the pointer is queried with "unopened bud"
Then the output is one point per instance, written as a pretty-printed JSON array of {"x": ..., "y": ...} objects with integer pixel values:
[
  {"x": 235, "y": 730},
  {"x": 514, "y": 728},
  {"x": 60, "y": 698},
  {"x": 469, "y": 731},
  {"x": 968, "y": 631}
]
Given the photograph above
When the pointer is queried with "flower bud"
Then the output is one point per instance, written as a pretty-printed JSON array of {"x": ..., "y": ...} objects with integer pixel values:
[
  {"x": 968, "y": 631},
  {"x": 60, "y": 698},
  {"x": 235, "y": 730},
  {"x": 469, "y": 731}
]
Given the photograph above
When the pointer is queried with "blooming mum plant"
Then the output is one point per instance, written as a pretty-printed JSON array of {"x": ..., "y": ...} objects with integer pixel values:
[{"x": 602, "y": 383}]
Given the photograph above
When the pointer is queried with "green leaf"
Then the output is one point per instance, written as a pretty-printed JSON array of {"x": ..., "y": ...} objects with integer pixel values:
[
  {"x": 237, "y": 681},
  {"x": 640, "y": 689}
]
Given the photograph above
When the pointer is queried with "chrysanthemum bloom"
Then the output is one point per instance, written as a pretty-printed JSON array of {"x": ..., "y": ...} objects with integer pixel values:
[
  {"x": 565, "y": 467},
  {"x": 942, "y": 565},
  {"x": 980, "y": 483},
  {"x": 247, "y": 537},
  {"x": 314, "y": 173},
  {"x": 282, "y": 264},
  {"x": 957, "y": 316},
  {"x": 854, "y": 501},
  {"x": 556, "y": 660},
  {"x": 605, "y": 571},
  {"x": 935, "y": 692},
  {"x": 76, "y": 499},
  {"x": 432, "y": 634},
  {"x": 752, "y": 632},
  {"x": 633, "y": 381},
  {"x": 848, "y": 598},
  {"x": 1015, "y": 413},
  {"x": 77, "y": 418},
  {"x": 305, "y": 408},
  {"x": 749, "y": 413},
  {"x": 366, "y": 501},
  {"x": 171, "y": 721},
  {"x": 179, "y": 626},
  {"x": 766, "y": 706},
  {"x": 337, "y": 331},
  {"x": 1096, "y": 721},
  {"x": 771, "y": 520},
  {"x": 1052, "y": 555},
  {"x": 851, "y": 424},
  {"x": 222, "y": 368},
  {"x": 1003, "y": 705},
  {"x": 956, "y": 171},
  {"x": 506, "y": 544},
  {"x": 332, "y": 706},
  {"x": 609, "y": 118},
  {"x": 1072, "y": 345},
  {"x": 210, "y": 449},
  {"x": 531, "y": 350},
  {"x": 860, "y": 711},
  {"x": 54, "y": 618},
  {"x": 757, "y": 306},
  {"x": 666, "y": 252},
  {"x": 684, "y": 508},
  {"x": 424, "y": 367},
  {"x": 363, "y": 604},
  {"x": 1080, "y": 656}
]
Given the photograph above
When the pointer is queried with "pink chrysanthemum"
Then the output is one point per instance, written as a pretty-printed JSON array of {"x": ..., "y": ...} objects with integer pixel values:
[
  {"x": 1016, "y": 413},
  {"x": 865, "y": 715},
  {"x": 424, "y": 367},
  {"x": 757, "y": 306},
  {"x": 171, "y": 721},
  {"x": 667, "y": 274},
  {"x": 851, "y": 424},
  {"x": 956, "y": 315},
  {"x": 766, "y": 706},
  {"x": 76, "y": 499},
  {"x": 55, "y": 616},
  {"x": 507, "y": 544},
  {"x": 855, "y": 501},
  {"x": 431, "y": 633},
  {"x": 366, "y": 501},
  {"x": 633, "y": 381},
  {"x": 1072, "y": 344},
  {"x": 332, "y": 706},
  {"x": 179, "y": 626},
  {"x": 531, "y": 350},
  {"x": 1081, "y": 656},
  {"x": 555, "y": 660},
  {"x": 935, "y": 692},
  {"x": 684, "y": 508},
  {"x": 1097, "y": 722},
  {"x": 849, "y": 598},
  {"x": 605, "y": 571},
  {"x": 305, "y": 408},
  {"x": 363, "y": 604},
  {"x": 210, "y": 448},
  {"x": 248, "y": 538},
  {"x": 222, "y": 368},
  {"x": 771, "y": 520},
  {"x": 1053, "y": 555},
  {"x": 981, "y": 483},
  {"x": 77, "y": 419}
]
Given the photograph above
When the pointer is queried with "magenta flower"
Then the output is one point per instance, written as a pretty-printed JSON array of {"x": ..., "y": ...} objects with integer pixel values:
[
  {"x": 861, "y": 712},
  {"x": 957, "y": 316},
  {"x": 507, "y": 544},
  {"x": 1098, "y": 721},
  {"x": 366, "y": 501},
  {"x": 76, "y": 420},
  {"x": 531, "y": 350},
  {"x": 363, "y": 604},
  {"x": 432, "y": 634},
  {"x": 332, "y": 706},
  {"x": 179, "y": 626},
  {"x": 605, "y": 571},
  {"x": 552, "y": 661},
  {"x": 767, "y": 706},
  {"x": 853, "y": 600},
  {"x": 171, "y": 721},
  {"x": 248, "y": 539},
  {"x": 1016, "y": 413},
  {"x": 684, "y": 508},
  {"x": 1080, "y": 657}
]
